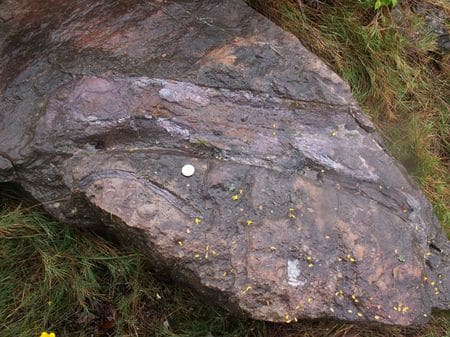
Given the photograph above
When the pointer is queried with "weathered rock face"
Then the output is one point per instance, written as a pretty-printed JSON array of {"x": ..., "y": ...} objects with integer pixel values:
[
  {"x": 295, "y": 209},
  {"x": 437, "y": 20}
]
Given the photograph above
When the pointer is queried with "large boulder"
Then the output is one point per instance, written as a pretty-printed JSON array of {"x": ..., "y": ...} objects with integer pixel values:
[{"x": 295, "y": 209}]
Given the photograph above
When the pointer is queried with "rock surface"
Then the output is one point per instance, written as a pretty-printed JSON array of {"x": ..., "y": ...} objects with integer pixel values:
[
  {"x": 295, "y": 209},
  {"x": 437, "y": 20}
]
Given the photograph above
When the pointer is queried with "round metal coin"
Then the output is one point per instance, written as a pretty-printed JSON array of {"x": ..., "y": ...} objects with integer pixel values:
[{"x": 188, "y": 170}]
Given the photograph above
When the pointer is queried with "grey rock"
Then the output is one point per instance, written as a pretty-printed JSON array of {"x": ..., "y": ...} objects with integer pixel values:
[
  {"x": 437, "y": 22},
  {"x": 6, "y": 170}
]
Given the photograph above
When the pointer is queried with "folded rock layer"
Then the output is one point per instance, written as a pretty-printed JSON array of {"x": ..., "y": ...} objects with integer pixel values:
[{"x": 295, "y": 209}]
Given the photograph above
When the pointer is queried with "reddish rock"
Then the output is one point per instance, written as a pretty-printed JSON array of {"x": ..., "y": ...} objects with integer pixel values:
[{"x": 295, "y": 209}]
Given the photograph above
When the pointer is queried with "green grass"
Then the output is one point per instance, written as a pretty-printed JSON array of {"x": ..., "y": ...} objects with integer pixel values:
[
  {"x": 77, "y": 283},
  {"x": 53, "y": 276}
]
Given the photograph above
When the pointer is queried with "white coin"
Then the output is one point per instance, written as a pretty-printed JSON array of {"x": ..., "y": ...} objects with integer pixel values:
[{"x": 188, "y": 170}]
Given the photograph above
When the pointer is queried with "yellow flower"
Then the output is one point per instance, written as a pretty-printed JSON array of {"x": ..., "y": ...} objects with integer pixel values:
[{"x": 47, "y": 334}]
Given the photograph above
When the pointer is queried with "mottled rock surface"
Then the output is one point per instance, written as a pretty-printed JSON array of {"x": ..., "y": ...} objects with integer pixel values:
[
  {"x": 295, "y": 209},
  {"x": 437, "y": 21}
]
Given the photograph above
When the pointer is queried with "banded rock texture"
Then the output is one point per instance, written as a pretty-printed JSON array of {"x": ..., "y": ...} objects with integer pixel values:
[{"x": 295, "y": 209}]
